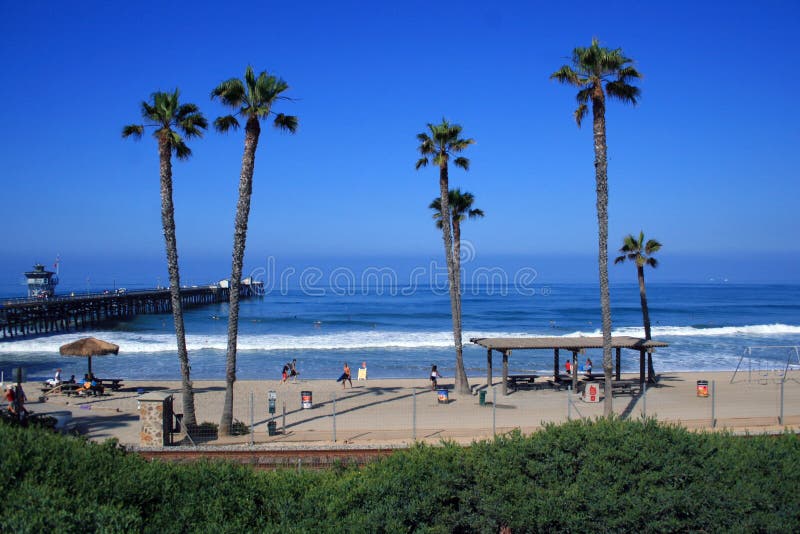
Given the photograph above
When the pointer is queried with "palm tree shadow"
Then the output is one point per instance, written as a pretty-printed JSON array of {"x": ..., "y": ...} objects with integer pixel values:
[
  {"x": 366, "y": 391},
  {"x": 626, "y": 413}
]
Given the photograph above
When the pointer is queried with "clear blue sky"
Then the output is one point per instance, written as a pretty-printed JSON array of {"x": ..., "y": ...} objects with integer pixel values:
[{"x": 707, "y": 163}]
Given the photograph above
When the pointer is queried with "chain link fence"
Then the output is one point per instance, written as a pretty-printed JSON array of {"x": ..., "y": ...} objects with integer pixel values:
[{"x": 371, "y": 415}]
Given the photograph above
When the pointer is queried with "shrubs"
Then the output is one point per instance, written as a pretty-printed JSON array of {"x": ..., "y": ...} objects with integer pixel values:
[
  {"x": 205, "y": 431},
  {"x": 608, "y": 474},
  {"x": 238, "y": 428}
]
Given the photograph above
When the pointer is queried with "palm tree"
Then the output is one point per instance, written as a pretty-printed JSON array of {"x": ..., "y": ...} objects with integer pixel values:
[
  {"x": 170, "y": 119},
  {"x": 641, "y": 253},
  {"x": 252, "y": 99},
  {"x": 460, "y": 209},
  {"x": 437, "y": 148},
  {"x": 599, "y": 72}
]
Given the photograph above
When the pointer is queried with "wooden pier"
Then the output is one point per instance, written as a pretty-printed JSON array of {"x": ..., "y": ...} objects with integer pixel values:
[{"x": 36, "y": 317}]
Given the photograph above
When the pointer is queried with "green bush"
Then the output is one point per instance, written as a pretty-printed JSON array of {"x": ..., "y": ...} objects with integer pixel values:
[
  {"x": 609, "y": 475},
  {"x": 238, "y": 428}
]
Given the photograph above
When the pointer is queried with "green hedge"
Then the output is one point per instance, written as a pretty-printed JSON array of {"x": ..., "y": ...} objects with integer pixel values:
[{"x": 603, "y": 475}]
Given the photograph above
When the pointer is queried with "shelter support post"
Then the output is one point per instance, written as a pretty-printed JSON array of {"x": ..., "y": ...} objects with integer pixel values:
[
  {"x": 641, "y": 366},
  {"x": 574, "y": 371},
  {"x": 619, "y": 362},
  {"x": 489, "y": 368},
  {"x": 556, "y": 364},
  {"x": 505, "y": 371}
]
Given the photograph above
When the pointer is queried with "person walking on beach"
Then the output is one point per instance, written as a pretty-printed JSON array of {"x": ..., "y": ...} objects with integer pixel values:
[
  {"x": 588, "y": 367},
  {"x": 345, "y": 376},
  {"x": 293, "y": 370},
  {"x": 435, "y": 376}
]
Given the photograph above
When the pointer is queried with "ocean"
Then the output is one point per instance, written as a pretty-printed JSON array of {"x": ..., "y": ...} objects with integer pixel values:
[{"x": 400, "y": 333}]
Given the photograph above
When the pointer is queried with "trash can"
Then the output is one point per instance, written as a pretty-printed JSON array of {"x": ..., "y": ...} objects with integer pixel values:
[
  {"x": 482, "y": 398},
  {"x": 305, "y": 400},
  {"x": 272, "y": 428},
  {"x": 702, "y": 388},
  {"x": 443, "y": 396},
  {"x": 591, "y": 393}
]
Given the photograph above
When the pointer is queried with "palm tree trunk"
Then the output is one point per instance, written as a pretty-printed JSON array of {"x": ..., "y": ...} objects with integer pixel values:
[
  {"x": 252, "y": 131},
  {"x": 601, "y": 179},
  {"x": 651, "y": 372},
  {"x": 461, "y": 382},
  {"x": 643, "y": 298},
  {"x": 168, "y": 222},
  {"x": 457, "y": 265}
]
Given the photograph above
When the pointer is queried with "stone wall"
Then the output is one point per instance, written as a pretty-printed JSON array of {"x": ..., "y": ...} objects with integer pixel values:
[{"x": 153, "y": 407}]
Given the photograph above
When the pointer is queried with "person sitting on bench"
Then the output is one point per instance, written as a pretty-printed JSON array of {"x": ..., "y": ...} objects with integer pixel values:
[{"x": 56, "y": 380}]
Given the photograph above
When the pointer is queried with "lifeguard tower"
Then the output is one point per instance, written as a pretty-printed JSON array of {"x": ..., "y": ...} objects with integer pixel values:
[{"x": 41, "y": 284}]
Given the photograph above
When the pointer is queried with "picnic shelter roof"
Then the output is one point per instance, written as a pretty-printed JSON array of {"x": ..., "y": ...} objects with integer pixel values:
[{"x": 566, "y": 343}]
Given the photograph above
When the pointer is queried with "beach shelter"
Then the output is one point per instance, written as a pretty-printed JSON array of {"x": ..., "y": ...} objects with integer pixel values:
[{"x": 88, "y": 347}]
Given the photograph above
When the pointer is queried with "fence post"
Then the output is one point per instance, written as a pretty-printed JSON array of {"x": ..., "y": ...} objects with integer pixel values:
[
  {"x": 644, "y": 399},
  {"x": 569, "y": 403},
  {"x": 333, "y": 396},
  {"x": 494, "y": 410},
  {"x": 780, "y": 418},
  {"x": 283, "y": 423},
  {"x": 713, "y": 405},
  {"x": 414, "y": 414},
  {"x": 252, "y": 420}
]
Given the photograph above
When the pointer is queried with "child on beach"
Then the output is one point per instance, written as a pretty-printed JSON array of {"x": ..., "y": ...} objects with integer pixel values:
[
  {"x": 285, "y": 373},
  {"x": 10, "y": 397},
  {"x": 588, "y": 367},
  {"x": 568, "y": 367},
  {"x": 345, "y": 376},
  {"x": 435, "y": 376}
]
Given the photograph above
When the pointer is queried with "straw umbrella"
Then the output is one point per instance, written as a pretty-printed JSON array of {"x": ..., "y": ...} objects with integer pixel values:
[{"x": 88, "y": 347}]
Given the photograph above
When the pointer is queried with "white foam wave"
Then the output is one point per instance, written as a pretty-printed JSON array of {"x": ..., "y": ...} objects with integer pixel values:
[
  {"x": 148, "y": 343},
  {"x": 131, "y": 343},
  {"x": 715, "y": 331}
]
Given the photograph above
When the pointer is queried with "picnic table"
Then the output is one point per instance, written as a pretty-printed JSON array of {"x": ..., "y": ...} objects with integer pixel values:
[
  {"x": 73, "y": 388},
  {"x": 64, "y": 388},
  {"x": 114, "y": 384},
  {"x": 625, "y": 387},
  {"x": 516, "y": 382}
]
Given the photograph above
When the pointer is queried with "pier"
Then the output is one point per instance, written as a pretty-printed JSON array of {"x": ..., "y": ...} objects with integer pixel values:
[{"x": 30, "y": 317}]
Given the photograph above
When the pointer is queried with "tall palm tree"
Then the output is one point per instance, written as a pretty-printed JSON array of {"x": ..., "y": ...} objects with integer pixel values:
[
  {"x": 641, "y": 253},
  {"x": 251, "y": 99},
  {"x": 460, "y": 209},
  {"x": 170, "y": 119},
  {"x": 600, "y": 72},
  {"x": 444, "y": 140}
]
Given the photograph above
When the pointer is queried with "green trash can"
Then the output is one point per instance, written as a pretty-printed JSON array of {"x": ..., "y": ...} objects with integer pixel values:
[{"x": 482, "y": 398}]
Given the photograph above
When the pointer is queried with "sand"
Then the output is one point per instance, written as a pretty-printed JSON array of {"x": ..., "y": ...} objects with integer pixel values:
[{"x": 396, "y": 412}]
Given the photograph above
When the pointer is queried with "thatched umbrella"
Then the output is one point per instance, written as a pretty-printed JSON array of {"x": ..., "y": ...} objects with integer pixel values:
[{"x": 88, "y": 347}]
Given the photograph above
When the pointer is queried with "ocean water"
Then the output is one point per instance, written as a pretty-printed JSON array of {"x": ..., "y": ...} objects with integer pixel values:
[{"x": 707, "y": 326}]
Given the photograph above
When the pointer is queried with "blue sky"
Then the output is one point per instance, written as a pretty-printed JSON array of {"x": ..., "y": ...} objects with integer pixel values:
[{"x": 707, "y": 162}]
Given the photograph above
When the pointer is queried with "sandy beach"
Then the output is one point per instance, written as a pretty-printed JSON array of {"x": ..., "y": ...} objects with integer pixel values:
[{"x": 396, "y": 412}]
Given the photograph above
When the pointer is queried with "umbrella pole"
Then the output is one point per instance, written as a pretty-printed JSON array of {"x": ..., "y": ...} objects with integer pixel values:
[{"x": 90, "y": 367}]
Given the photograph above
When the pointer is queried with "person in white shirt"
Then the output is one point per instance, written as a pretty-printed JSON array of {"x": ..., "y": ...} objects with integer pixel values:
[{"x": 56, "y": 380}]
